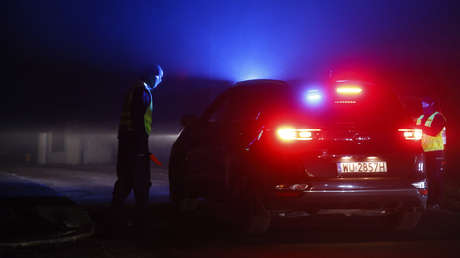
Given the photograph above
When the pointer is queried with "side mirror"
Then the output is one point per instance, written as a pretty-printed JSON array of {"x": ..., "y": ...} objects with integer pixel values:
[{"x": 188, "y": 120}]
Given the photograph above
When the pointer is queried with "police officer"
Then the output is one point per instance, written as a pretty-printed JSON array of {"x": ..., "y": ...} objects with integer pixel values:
[
  {"x": 433, "y": 124},
  {"x": 133, "y": 164}
]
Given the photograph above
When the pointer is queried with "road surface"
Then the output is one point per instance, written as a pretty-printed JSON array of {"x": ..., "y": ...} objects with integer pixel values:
[{"x": 200, "y": 234}]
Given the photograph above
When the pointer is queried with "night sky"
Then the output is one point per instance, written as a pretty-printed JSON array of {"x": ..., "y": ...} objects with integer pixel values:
[{"x": 72, "y": 60}]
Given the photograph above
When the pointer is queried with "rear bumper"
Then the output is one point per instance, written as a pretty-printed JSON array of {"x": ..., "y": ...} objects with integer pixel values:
[{"x": 372, "y": 199}]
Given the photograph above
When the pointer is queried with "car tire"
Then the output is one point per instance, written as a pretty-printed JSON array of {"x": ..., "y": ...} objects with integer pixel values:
[
  {"x": 174, "y": 194},
  {"x": 258, "y": 222},
  {"x": 404, "y": 220},
  {"x": 177, "y": 192},
  {"x": 252, "y": 218}
]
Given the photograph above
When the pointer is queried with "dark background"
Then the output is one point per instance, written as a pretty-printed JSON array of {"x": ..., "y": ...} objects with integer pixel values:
[{"x": 71, "y": 61}]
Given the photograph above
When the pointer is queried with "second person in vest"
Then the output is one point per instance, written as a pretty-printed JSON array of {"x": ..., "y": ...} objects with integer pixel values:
[{"x": 433, "y": 124}]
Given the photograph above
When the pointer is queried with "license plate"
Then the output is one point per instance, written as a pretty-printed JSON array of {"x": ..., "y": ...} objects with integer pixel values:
[{"x": 362, "y": 167}]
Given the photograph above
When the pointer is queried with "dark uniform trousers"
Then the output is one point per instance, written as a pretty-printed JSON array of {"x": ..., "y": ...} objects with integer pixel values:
[
  {"x": 434, "y": 161},
  {"x": 133, "y": 173}
]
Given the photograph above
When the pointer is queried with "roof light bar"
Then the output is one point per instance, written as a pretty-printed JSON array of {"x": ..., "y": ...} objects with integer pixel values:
[{"x": 349, "y": 90}]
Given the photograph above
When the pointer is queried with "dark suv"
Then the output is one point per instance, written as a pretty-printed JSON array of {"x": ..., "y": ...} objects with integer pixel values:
[{"x": 264, "y": 148}]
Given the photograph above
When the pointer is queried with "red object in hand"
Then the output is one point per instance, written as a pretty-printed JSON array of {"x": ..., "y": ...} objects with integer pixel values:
[{"x": 155, "y": 160}]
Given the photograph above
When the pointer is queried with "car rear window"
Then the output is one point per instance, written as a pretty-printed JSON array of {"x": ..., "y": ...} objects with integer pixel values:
[
  {"x": 244, "y": 104},
  {"x": 372, "y": 108}
]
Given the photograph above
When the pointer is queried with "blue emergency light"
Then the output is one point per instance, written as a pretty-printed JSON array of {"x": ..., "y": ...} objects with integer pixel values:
[{"x": 313, "y": 97}]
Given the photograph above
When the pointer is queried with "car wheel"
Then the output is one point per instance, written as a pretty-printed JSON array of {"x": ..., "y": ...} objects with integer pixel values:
[
  {"x": 177, "y": 192},
  {"x": 257, "y": 222},
  {"x": 252, "y": 217},
  {"x": 404, "y": 220}
]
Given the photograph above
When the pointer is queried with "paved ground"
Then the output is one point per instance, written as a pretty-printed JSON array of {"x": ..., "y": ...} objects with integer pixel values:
[
  {"x": 170, "y": 234},
  {"x": 88, "y": 185},
  {"x": 34, "y": 214}
]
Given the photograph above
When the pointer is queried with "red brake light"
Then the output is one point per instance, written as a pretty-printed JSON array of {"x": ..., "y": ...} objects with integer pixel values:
[
  {"x": 290, "y": 134},
  {"x": 412, "y": 134}
]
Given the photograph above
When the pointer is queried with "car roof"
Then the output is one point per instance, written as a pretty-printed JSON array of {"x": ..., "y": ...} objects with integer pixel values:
[
  {"x": 274, "y": 97},
  {"x": 283, "y": 90},
  {"x": 259, "y": 85},
  {"x": 266, "y": 85},
  {"x": 261, "y": 82}
]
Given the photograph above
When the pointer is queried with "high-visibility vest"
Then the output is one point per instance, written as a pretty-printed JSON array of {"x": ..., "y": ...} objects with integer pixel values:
[
  {"x": 432, "y": 143},
  {"x": 126, "y": 119}
]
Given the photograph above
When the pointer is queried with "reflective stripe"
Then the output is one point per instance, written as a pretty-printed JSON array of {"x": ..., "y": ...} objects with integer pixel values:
[
  {"x": 432, "y": 143},
  {"x": 430, "y": 119},
  {"x": 419, "y": 120}
]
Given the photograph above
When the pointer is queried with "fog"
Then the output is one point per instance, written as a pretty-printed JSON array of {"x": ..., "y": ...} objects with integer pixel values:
[{"x": 69, "y": 63}]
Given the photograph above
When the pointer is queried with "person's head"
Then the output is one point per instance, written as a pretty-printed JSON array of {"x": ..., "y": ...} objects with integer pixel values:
[
  {"x": 153, "y": 80},
  {"x": 428, "y": 104}
]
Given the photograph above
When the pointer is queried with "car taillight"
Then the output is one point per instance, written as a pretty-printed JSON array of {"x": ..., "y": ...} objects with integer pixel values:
[
  {"x": 292, "y": 134},
  {"x": 411, "y": 134}
]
